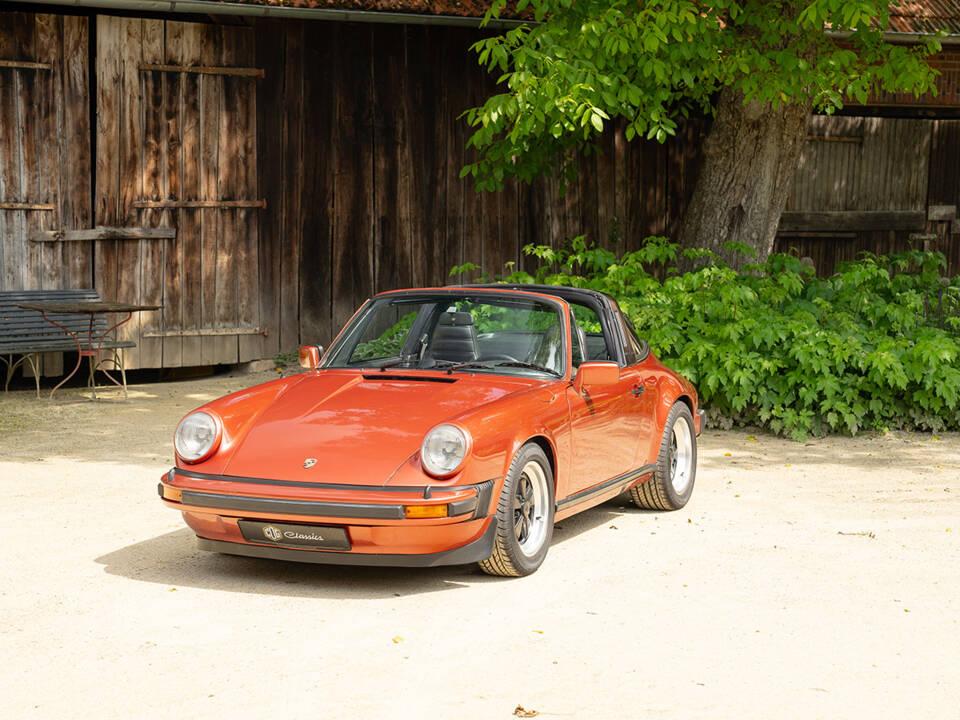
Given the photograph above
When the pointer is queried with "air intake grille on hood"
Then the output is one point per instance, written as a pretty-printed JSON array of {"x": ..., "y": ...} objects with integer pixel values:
[{"x": 410, "y": 378}]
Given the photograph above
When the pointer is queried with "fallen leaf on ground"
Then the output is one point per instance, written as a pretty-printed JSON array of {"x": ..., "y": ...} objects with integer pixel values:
[
  {"x": 397, "y": 639},
  {"x": 520, "y": 711}
]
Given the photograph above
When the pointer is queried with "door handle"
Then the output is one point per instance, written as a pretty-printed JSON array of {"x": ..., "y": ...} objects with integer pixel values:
[{"x": 638, "y": 390}]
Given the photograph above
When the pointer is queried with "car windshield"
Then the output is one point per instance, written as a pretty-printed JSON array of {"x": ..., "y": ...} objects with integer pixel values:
[{"x": 471, "y": 332}]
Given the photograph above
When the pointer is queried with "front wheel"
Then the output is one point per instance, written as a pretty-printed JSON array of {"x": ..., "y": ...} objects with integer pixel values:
[
  {"x": 671, "y": 485},
  {"x": 524, "y": 516}
]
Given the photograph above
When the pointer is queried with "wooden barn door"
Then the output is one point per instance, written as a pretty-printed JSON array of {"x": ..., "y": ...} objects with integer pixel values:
[
  {"x": 176, "y": 147},
  {"x": 861, "y": 184},
  {"x": 44, "y": 151}
]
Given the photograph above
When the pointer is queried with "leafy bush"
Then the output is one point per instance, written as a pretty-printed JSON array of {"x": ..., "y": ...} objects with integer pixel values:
[{"x": 773, "y": 345}]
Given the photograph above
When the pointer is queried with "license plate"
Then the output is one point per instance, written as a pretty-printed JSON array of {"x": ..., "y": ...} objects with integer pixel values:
[{"x": 317, "y": 537}]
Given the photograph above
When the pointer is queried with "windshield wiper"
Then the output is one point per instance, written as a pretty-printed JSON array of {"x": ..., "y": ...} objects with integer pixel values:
[
  {"x": 451, "y": 366},
  {"x": 528, "y": 366},
  {"x": 402, "y": 361},
  {"x": 501, "y": 363}
]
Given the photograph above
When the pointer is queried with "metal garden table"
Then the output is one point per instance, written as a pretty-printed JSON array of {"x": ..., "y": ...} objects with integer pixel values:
[{"x": 94, "y": 344}]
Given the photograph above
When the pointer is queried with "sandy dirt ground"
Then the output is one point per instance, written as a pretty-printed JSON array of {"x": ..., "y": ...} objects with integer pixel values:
[{"x": 816, "y": 580}]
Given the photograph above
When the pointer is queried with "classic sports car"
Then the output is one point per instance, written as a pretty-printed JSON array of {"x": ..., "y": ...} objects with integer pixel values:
[{"x": 443, "y": 426}]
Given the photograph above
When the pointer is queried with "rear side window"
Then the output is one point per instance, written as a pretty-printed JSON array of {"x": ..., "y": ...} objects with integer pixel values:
[{"x": 634, "y": 349}]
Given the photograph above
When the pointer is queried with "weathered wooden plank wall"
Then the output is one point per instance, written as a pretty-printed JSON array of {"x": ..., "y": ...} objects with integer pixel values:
[
  {"x": 869, "y": 164},
  {"x": 39, "y": 125},
  {"x": 353, "y": 140},
  {"x": 944, "y": 185},
  {"x": 360, "y": 152},
  {"x": 44, "y": 153},
  {"x": 177, "y": 147}
]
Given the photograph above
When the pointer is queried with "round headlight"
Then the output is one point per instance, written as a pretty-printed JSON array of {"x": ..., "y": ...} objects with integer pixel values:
[
  {"x": 443, "y": 450},
  {"x": 196, "y": 436}
]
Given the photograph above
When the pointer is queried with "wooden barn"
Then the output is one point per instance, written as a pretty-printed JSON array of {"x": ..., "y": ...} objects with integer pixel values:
[
  {"x": 886, "y": 176},
  {"x": 258, "y": 170}
]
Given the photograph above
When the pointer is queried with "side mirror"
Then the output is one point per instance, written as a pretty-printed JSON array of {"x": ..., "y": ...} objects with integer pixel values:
[
  {"x": 596, "y": 373},
  {"x": 310, "y": 356}
]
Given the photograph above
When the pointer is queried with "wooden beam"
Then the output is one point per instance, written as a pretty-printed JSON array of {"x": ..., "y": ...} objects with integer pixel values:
[
  {"x": 835, "y": 138},
  {"x": 25, "y": 65},
  {"x": 205, "y": 70},
  {"x": 800, "y": 234},
  {"x": 852, "y": 220},
  {"x": 206, "y": 332},
  {"x": 26, "y": 206},
  {"x": 104, "y": 233},
  {"x": 215, "y": 204},
  {"x": 942, "y": 212}
]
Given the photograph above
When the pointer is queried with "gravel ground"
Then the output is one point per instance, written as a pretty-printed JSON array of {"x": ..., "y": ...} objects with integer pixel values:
[{"x": 816, "y": 580}]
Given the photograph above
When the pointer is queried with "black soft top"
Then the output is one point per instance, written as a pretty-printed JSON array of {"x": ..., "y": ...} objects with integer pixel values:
[
  {"x": 583, "y": 296},
  {"x": 603, "y": 305}
]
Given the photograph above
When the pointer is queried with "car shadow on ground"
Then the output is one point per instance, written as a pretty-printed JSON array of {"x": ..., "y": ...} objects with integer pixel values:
[{"x": 173, "y": 559}]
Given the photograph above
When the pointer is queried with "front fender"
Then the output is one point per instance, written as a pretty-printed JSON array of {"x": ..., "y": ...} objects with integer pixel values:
[
  {"x": 498, "y": 431},
  {"x": 239, "y": 412}
]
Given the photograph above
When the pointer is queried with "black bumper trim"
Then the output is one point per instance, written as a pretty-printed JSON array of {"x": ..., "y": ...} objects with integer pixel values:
[
  {"x": 484, "y": 493},
  {"x": 293, "y": 507},
  {"x": 321, "y": 485},
  {"x": 702, "y": 414},
  {"x": 478, "y": 505},
  {"x": 479, "y": 549}
]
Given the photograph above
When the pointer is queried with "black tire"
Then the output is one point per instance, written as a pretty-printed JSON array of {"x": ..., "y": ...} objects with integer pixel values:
[
  {"x": 514, "y": 553},
  {"x": 660, "y": 492}
]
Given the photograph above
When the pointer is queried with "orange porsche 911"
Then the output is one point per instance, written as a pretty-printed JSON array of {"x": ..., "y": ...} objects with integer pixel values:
[{"x": 443, "y": 426}]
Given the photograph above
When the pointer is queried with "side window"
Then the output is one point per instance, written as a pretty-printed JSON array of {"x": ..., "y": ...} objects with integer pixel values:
[
  {"x": 578, "y": 340},
  {"x": 633, "y": 348},
  {"x": 594, "y": 344}
]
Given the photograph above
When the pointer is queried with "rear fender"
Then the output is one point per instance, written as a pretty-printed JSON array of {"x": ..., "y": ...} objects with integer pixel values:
[{"x": 673, "y": 390}]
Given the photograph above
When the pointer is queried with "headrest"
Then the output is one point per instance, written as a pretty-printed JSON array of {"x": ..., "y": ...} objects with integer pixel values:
[{"x": 456, "y": 318}]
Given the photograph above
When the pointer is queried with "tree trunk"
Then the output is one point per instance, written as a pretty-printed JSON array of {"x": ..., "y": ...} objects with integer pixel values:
[{"x": 749, "y": 159}]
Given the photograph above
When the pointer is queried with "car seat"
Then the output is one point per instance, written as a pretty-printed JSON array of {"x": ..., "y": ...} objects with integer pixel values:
[{"x": 454, "y": 338}]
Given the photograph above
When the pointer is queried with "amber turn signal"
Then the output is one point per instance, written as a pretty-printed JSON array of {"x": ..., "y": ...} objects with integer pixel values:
[
  {"x": 426, "y": 511},
  {"x": 172, "y": 494}
]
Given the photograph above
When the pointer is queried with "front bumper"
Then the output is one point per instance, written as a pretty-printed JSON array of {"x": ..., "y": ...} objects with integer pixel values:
[
  {"x": 374, "y": 518},
  {"x": 479, "y": 549}
]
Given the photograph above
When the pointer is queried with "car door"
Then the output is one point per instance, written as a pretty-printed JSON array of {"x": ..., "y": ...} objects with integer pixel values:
[
  {"x": 606, "y": 423},
  {"x": 645, "y": 390}
]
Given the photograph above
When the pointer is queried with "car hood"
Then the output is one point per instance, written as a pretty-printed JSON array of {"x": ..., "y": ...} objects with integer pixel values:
[{"x": 358, "y": 427}]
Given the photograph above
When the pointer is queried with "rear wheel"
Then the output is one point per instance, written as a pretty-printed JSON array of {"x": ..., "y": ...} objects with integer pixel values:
[
  {"x": 671, "y": 485},
  {"x": 524, "y": 516}
]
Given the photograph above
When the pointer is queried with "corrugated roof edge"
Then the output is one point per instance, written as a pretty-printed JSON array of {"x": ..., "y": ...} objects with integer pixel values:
[
  {"x": 463, "y": 13},
  {"x": 251, "y": 9}
]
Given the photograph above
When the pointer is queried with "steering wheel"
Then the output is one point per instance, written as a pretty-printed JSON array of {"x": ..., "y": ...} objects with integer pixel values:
[{"x": 499, "y": 357}]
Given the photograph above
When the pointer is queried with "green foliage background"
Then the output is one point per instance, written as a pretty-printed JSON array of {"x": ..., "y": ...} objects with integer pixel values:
[
  {"x": 773, "y": 345},
  {"x": 584, "y": 63}
]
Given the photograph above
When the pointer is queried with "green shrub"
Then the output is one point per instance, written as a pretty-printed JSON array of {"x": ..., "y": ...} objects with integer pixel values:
[{"x": 773, "y": 345}]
